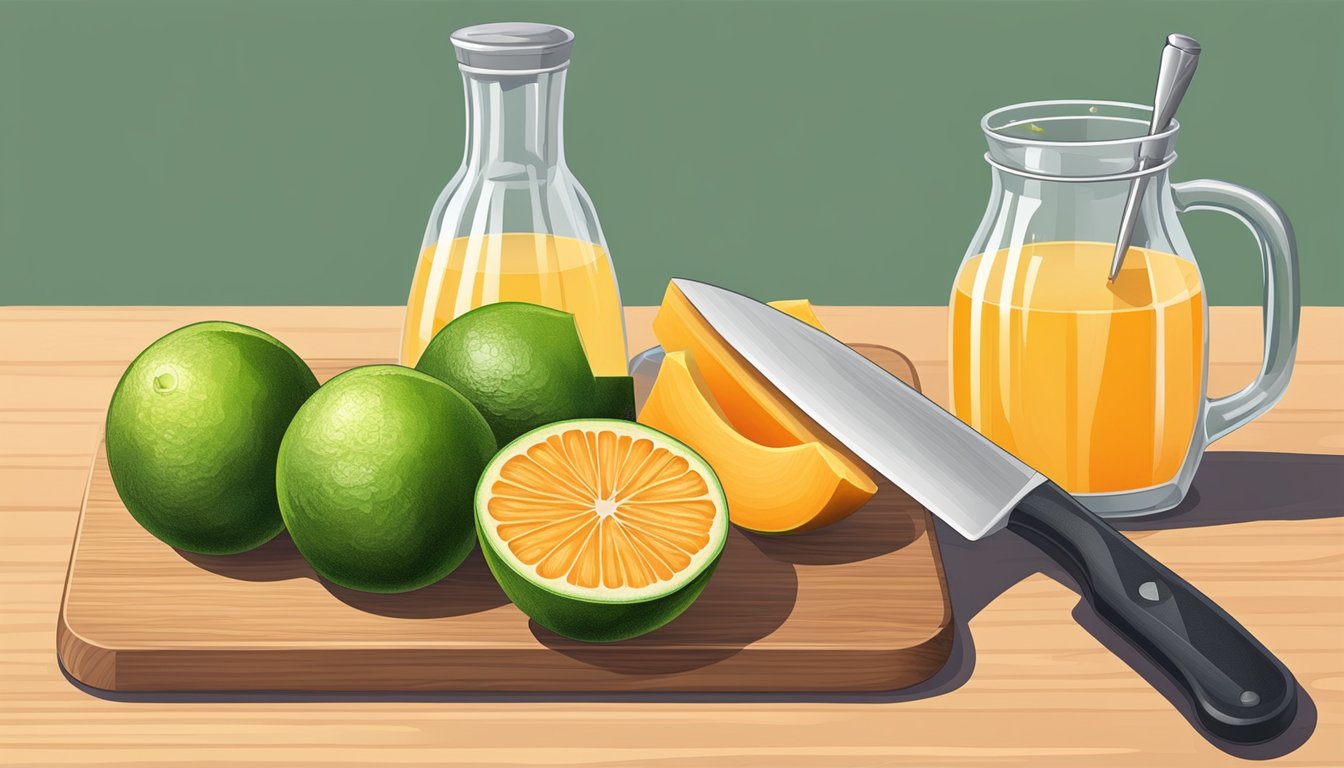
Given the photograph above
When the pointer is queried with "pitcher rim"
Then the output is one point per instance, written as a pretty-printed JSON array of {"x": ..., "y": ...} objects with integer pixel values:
[{"x": 1172, "y": 128}]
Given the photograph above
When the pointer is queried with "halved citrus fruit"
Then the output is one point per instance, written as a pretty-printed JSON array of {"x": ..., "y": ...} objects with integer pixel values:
[{"x": 600, "y": 529}]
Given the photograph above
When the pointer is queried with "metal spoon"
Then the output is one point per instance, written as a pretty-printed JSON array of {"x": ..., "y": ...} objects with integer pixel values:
[{"x": 1179, "y": 57}]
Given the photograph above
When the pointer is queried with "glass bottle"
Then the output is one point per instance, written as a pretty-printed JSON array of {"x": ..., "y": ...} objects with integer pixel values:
[{"x": 514, "y": 224}]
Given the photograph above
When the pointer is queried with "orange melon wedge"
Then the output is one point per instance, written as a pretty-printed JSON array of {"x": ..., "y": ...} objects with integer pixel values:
[
  {"x": 801, "y": 309},
  {"x": 753, "y": 405},
  {"x": 769, "y": 489}
]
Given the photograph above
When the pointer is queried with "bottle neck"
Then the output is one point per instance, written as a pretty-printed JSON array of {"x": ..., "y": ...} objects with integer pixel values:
[{"x": 514, "y": 121}]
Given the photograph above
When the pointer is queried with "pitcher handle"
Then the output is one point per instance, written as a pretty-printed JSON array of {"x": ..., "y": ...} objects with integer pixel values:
[{"x": 1282, "y": 303}]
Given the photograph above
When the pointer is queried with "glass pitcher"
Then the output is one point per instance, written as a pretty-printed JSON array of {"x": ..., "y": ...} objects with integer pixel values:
[
  {"x": 514, "y": 224},
  {"x": 1102, "y": 386}
]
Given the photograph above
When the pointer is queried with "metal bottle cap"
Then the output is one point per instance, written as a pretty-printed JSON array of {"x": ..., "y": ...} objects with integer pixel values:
[{"x": 512, "y": 48}]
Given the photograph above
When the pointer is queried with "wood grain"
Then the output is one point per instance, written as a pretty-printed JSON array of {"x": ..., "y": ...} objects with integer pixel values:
[
  {"x": 858, "y": 606},
  {"x": 1027, "y": 684}
]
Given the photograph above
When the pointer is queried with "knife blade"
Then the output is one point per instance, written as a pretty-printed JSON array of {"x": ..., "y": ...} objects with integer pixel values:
[
  {"x": 1240, "y": 691},
  {"x": 912, "y": 442}
]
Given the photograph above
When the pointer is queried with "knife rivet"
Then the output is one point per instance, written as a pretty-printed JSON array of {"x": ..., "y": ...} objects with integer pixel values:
[
  {"x": 1250, "y": 698},
  {"x": 1148, "y": 591}
]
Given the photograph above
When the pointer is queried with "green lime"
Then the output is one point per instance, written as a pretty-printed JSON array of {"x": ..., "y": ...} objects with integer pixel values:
[
  {"x": 522, "y": 365},
  {"x": 614, "y": 398},
  {"x": 375, "y": 478},
  {"x": 600, "y": 529},
  {"x": 193, "y": 430}
]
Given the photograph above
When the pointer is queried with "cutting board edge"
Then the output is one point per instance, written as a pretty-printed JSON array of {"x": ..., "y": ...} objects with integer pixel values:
[
  {"x": 84, "y": 660},
  {"x": 213, "y": 670}
]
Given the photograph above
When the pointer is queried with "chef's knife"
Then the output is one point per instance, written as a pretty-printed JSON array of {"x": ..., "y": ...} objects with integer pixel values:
[{"x": 1240, "y": 691}]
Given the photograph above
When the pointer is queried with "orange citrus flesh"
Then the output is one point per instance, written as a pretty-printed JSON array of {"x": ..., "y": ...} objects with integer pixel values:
[
  {"x": 598, "y": 508},
  {"x": 770, "y": 489}
]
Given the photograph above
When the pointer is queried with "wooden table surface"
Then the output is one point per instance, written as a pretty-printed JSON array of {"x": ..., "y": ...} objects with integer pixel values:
[{"x": 1031, "y": 680}]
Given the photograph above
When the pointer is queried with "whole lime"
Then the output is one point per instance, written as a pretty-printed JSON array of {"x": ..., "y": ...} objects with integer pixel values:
[
  {"x": 376, "y": 475},
  {"x": 613, "y": 398},
  {"x": 193, "y": 431},
  {"x": 522, "y": 365}
]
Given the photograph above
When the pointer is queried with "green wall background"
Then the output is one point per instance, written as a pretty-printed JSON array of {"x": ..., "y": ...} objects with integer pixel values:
[{"x": 288, "y": 151}]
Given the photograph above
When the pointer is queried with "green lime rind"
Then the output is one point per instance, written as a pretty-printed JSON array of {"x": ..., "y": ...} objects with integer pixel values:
[
  {"x": 375, "y": 478},
  {"x": 192, "y": 432},
  {"x": 614, "y": 397},
  {"x": 522, "y": 365},
  {"x": 591, "y": 621},
  {"x": 590, "y": 617}
]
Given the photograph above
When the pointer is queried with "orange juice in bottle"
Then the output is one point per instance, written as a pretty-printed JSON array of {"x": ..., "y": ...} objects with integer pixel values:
[
  {"x": 560, "y": 272},
  {"x": 514, "y": 224}
]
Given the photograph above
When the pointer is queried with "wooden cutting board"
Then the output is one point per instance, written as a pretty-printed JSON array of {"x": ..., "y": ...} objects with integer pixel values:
[{"x": 858, "y": 606}]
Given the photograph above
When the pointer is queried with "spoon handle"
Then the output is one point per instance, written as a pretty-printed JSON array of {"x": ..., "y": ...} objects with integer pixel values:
[
  {"x": 1128, "y": 219},
  {"x": 1180, "y": 56}
]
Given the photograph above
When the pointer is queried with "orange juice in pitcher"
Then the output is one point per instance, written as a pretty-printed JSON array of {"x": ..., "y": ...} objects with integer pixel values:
[
  {"x": 1047, "y": 356},
  {"x": 514, "y": 224},
  {"x": 1100, "y": 385}
]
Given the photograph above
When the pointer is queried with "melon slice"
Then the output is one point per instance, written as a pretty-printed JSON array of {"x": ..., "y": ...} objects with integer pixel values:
[
  {"x": 769, "y": 489},
  {"x": 800, "y": 309},
  {"x": 753, "y": 405}
]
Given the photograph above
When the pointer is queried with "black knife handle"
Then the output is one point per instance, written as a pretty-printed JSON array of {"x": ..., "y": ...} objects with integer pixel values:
[{"x": 1239, "y": 690}]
